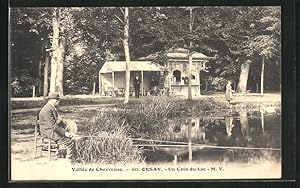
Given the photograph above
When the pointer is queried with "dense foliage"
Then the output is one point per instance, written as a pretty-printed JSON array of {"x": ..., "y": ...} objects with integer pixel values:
[{"x": 93, "y": 35}]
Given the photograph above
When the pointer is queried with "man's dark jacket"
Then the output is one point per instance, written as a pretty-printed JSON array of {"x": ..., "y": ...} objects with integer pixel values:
[
  {"x": 136, "y": 82},
  {"x": 49, "y": 125}
]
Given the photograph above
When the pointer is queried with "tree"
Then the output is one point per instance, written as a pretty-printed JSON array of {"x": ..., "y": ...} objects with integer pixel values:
[
  {"x": 88, "y": 35},
  {"x": 79, "y": 47},
  {"x": 227, "y": 29},
  {"x": 156, "y": 29},
  {"x": 231, "y": 32},
  {"x": 29, "y": 29},
  {"x": 266, "y": 46},
  {"x": 80, "y": 42},
  {"x": 127, "y": 55},
  {"x": 84, "y": 48},
  {"x": 63, "y": 28},
  {"x": 55, "y": 49},
  {"x": 190, "y": 56},
  {"x": 67, "y": 30},
  {"x": 161, "y": 28},
  {"x": 243, "y": 79},
  {"x": 46, "y": 70},
  {"x": 98, "y": 37},
  {"x": 267, "y": 42}
]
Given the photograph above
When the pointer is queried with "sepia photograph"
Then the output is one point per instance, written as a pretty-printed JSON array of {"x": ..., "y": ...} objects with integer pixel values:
[{"x": 145, "y": 93}]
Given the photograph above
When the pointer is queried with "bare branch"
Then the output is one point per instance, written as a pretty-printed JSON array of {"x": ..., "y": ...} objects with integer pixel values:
[
  {"x": 122, "y": 10},
  {"x": 119, "y": 19}
]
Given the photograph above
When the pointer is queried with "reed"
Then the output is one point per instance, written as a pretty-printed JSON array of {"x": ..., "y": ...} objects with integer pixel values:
[
  {"x": 149, "y": 119},
  {"x": 109, "y": 141},
  {"x": 114, "y": 148}
]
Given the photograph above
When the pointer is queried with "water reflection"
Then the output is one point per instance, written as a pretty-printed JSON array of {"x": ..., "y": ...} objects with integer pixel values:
[
  {"x": 180, "y": 130},
  {"x": 239, "y": 130}
]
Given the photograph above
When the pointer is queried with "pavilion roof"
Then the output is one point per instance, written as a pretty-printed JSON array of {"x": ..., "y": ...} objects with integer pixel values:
[{"x": 120, "y": 66}]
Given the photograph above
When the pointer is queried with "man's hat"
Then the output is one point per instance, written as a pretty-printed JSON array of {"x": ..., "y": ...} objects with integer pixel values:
[{"x": 53, "y": 96}]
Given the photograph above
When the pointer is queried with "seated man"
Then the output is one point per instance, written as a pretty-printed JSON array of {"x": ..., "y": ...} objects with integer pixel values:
[{"x": 55, "y": 128}]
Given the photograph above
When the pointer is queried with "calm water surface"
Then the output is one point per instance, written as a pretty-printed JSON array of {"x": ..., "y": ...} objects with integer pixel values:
[{"x": 236, "y": 138}]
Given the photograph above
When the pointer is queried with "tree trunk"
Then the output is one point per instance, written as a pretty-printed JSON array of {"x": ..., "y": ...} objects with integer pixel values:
[
  {"x": 242, "y": 86},
  {"x": 127, "y": 55},
  {"x": 55, "y": 49},
  {"x": 45, "y": 93},
  {"x": 40, "y": 72},
  {"x": 190, "y": 58},
  {"x": 190, "y": 76},
  {"x": 60, "y": 67},
  {"x": 262, "y": 75}
]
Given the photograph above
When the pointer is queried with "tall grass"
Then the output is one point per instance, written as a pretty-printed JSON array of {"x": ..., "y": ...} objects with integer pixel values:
[
  {"x": 148, "y": 119},
  {"x": 173, "y": 107},
  {"x": 112, "y": 148},
  {"x": 111, "y": 131},
  {"x": 109, "y": 141}
]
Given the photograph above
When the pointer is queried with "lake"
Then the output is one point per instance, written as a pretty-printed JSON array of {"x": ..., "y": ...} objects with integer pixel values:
[{"x": 242, "y": 137}]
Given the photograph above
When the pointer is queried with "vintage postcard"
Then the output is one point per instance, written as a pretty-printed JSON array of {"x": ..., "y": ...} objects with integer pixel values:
[{"x": 145, "y": 93}]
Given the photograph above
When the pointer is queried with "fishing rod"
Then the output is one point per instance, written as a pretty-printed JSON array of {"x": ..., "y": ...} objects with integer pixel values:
[
  {"x": 207, "y": 146},
  {"x": 141, "y": 139},
  {"x": 184, "y": 144}
]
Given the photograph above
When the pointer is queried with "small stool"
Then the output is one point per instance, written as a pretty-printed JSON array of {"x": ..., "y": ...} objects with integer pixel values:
[{"x": 45, "y": 144}]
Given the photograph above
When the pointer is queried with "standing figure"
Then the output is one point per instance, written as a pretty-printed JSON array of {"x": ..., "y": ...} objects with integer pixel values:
[
  {"x": 228, "y": 92},
  {"x": 55, "y": 128},
  {"x": 136, "y": 84}
]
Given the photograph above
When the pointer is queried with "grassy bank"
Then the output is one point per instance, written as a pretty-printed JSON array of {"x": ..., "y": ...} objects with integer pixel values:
[
  {"x": 243, "y": 100},
  {"x": 67, "y": 101}
]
